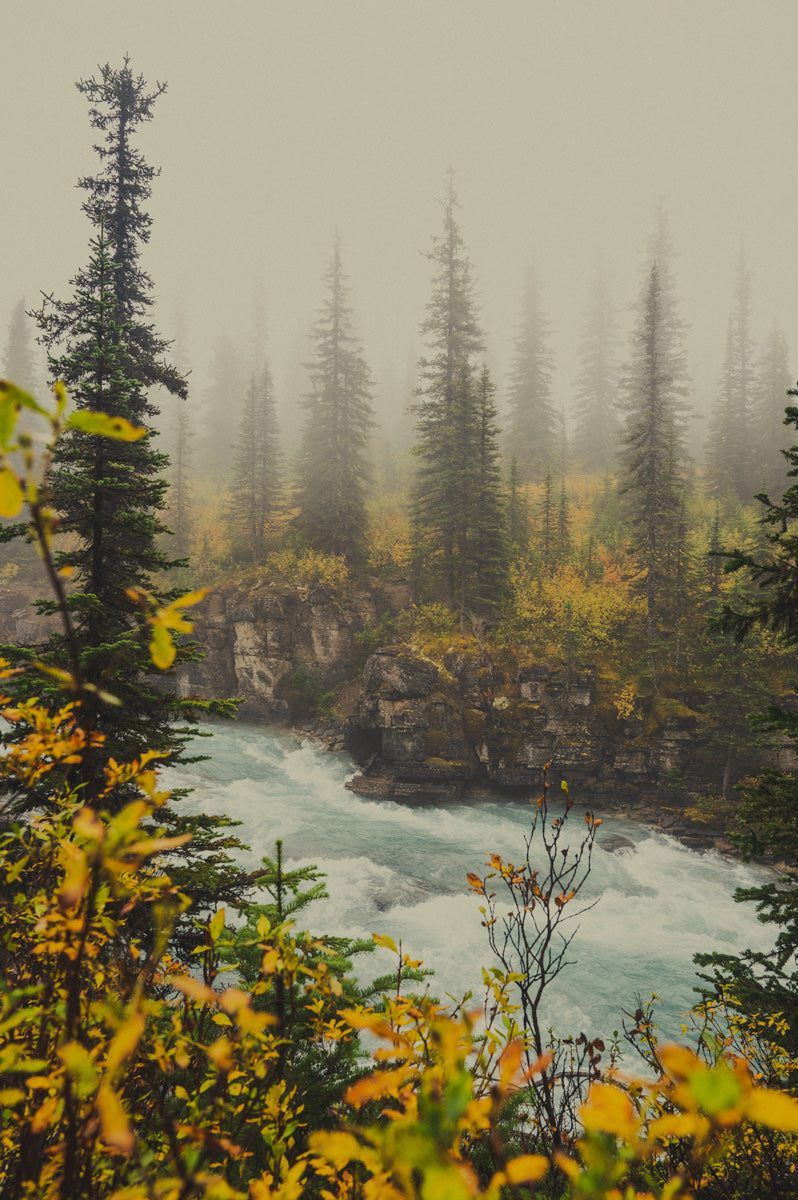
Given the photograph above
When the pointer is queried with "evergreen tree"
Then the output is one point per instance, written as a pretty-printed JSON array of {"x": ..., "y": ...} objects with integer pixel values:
[
  {"x": 517, "y": 512},
  {"x": 109, "y": 493},
  {"x": 563, "y": 522},
  {"x": 255, "y": 490},
  {"x": 596, "y": 385},
  {"x": 456, "y": 505},
  {"x": 651, "y": 452},
  {"x": 220, "y": 409},
  {"x": 731, "y": 463},
  {"x": 767, "y": 815},
  {"x": 490, "y": 552},
  {"x": 771, "y": 384},
  {"x": 533, "y": 418},
  {"x": 334, "y": 469},
  {"x": 548, "y": 518},
  {"x": 18, "y": 362}
]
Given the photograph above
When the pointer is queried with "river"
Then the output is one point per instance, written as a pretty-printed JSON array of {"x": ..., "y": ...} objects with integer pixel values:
[{"x": 401, "y": 870}]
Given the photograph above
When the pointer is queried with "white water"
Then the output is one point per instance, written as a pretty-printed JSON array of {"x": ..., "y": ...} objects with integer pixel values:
[{"x": 401, "y": 870}]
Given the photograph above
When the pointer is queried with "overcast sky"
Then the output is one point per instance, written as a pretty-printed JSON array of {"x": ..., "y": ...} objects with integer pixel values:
[{"x": 288, "y": 120}]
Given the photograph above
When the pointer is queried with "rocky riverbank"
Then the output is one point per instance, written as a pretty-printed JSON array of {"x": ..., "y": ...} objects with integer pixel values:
[{"x": 422, "y": 729}]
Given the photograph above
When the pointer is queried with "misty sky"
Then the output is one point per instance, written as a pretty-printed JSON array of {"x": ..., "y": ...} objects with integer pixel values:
[{"x": 286, "y": 121}]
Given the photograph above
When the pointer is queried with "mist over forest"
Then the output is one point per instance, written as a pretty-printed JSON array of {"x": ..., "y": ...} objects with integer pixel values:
[{"x": 398, "y": 560}]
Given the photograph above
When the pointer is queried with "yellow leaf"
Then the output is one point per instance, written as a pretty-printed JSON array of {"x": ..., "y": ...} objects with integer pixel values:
[
  {"x": 114, "y": 1125},
  {"x": 216, "y": 925},
  {"x": 609, "y": 1110},
  {"x": 125, "y": 1041},
  {"x": 337, "y": 1147},
  {"x": 193, "y": 988},
  {"x": 162, "y": 649},
  {"x": 527, "y": 1168},
  {"x": 510, "y": 1061},
  {"x": 382, "y": 939},
  {"x": 190, "y": 598},
  {"x": 678, "y": 1125},
  {"x": 773, "y": 1109},
  {"x": 10, "y": 493},
  {"x": 380, "y": 1083},
  {"x": 100, "y": 423}
]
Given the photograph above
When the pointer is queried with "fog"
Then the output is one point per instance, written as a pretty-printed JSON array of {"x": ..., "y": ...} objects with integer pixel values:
[{"x": 286, "y": 122}]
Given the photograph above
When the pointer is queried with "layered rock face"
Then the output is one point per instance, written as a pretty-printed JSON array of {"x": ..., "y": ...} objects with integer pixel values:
[
  {"x": 419, "y": 728},
  {"x": 253, "y": 644}
]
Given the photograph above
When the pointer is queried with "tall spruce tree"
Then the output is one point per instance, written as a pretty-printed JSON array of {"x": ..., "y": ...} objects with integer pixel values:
[
  {"x": 489, "y": 541},
  {"x": 596, "y": 385},
  {"x": 19, "y": 360},
  {"x": 771, "y": 383},
  {"x": 766, "y": 982},
  {"x": 533, "y": 427},
  {"x": 109, "y": 493},
  {"x": 457, "y": 504},
  {"x": 255, "y": 489},
  {"x": 651, "y": 455},
  {"x": 334, "y": 468},
  {"x": 731, "y": 457}
]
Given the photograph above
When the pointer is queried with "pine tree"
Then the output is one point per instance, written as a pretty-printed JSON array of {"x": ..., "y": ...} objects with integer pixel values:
[
  {"x": 772, "y": 380},
  {"x": 334, "y": 469},
  {"x": 490, "y": 551},
  {"x": 109, "y": 493},
  {"x": 563, "y": 522},
  {"x": 255, "y": 490},
  {"x": 651, "y": 454},
  {"x": 533, "y": 418},
  {"x": 767, "y": 815},
  {"x": 517, "y": 512},
  {"x": 220, "y": 410},
  {"x": 456, "y": 428},
  {"x": 731, "y": 463},
  {"x": 596, "y": 385},
  {"x": 18, "y": 361},
  {"x": 547, "y": 518}
]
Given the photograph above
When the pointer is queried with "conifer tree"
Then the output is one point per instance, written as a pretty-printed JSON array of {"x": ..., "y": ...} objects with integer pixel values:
[
  {"x": 457, "y": 504},
  {"x": 334, "y": 469},
  {"x": 220, "y": 409},
  {"x": 596, "y": 385},
  {"x": 255, "y": 490},
  {"x": 18, "y": 361},
  {"x": 490, "y": 551},
  {"x": 767, "y": 814},
  {"x": 533, "y": 418},
  {"x": 547, "y": 518},
  {"x": 651, "y": 455},
  {"x": 563, "y": 522},
  {"x": 517, "y": 512},
  {"x": 731, "y": 463},
  {"x": 772, "y": 380},
  {"x": 109, "y": 493}
]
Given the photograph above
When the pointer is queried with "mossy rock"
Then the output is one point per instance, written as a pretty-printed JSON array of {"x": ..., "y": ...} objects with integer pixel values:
[
  {"x": 474, "y": 724},
  {"x": 436, "y": 743}
]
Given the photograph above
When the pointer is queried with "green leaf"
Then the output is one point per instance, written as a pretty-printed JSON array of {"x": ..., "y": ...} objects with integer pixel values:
[
  {"x": 100, "y": 423},
  {"x": 715, "y": 1091}
]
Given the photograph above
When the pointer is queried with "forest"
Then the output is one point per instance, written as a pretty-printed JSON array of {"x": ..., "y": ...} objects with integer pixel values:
[{"x": 162, "y": 1034}]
